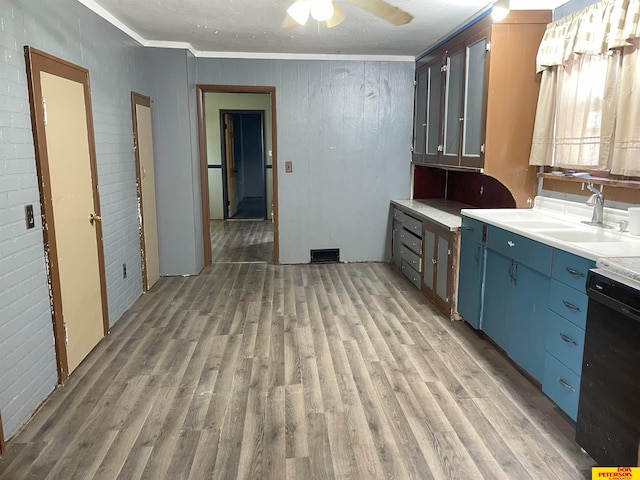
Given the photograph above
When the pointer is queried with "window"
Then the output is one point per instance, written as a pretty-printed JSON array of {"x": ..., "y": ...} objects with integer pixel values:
[{"x": 589, "y": 96}]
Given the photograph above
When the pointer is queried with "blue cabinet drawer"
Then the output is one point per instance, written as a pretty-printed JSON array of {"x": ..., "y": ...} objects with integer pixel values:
[
  {"x": 411, "y": 274},
  {"x": 399, "y": 215},
  {"x": 565, "y": 341},
  {"x": 411, "y": 242},
  {"x": 411, "y": 258},
  {"x": 472, "y": 229},
  {"x": 568, "y": 303},
  {"x": 413, "y": 225},
  {"x": 561, "y": 385},
  {"x": 571, "y": 269},
  {"x": 523, "y": 250}
]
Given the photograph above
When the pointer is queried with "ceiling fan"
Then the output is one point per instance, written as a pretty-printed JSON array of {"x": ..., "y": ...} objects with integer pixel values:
[{"x": 329, "y": 11}]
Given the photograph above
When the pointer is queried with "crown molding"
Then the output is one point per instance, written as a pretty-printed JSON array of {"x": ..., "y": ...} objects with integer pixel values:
[{"x": 106, "y": 15}]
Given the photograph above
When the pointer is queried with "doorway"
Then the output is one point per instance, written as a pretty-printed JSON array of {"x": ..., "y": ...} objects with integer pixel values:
[
  {"x": 62, "y": 122},
  {"x": 214, "y": 189},
  {"x": 146, "y": 189},
  {"x": 244, "y": 163}
]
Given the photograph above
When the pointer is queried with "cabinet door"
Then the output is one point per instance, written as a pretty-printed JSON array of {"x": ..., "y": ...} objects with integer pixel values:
[
  {"x": 397, "y": 244},
  {"x": 497, "y": 298},
  {"x": 528, "y": 322},
  {"x": 434, "y": 112},
  {"x": 453, "y": 107},
  {"x": 420, "y": 114},
  {"x": 474, "y": 101},
  {"x": 430, "y": 261},
  {"x": 470, "y": 280},
  {"x": 443, "y": 267}
]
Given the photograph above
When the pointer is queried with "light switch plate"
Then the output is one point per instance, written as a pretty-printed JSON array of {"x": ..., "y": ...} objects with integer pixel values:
[
  {"x": 29, "y": 218},
  {"x": 288, "y": 167}
]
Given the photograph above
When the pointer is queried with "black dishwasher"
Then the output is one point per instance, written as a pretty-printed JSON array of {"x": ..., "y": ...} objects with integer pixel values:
[{"x": 608, "y": 424}]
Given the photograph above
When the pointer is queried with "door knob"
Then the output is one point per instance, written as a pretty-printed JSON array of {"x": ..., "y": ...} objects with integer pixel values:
[{"x": 94, "y": 218}]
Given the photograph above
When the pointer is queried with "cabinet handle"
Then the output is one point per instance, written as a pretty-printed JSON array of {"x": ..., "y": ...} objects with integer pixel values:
[
  {"x": 570, "y": 306},
  {"x": 469, "y": 229},
  {"x": 511, "y": 244},
  {"x": 568, "y": 339},
  {"x": 477, "y": 256},
  {"x": 566, "y": 385},
  {"x": 574, "y": 272}
]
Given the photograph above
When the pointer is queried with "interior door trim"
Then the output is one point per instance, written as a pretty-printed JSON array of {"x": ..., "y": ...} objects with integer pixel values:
[
  {"x": 2, "y": 444},
  {"x": 139, "y": 99},
  {"x": 204, "y": 176},
  {"x": 37, "y": 62}
]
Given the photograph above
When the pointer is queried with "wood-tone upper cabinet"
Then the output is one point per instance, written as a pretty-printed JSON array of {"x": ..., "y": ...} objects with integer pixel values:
[
  {"x": 476, "y": 97},
  {"x": 427, "y": 119}
]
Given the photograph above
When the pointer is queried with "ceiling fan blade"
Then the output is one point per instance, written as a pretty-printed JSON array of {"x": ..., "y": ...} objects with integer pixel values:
[
  {"x": 337, "y": 18},
  {"x": 383, "y": 10},
  {"x": 289, "y": 22}
]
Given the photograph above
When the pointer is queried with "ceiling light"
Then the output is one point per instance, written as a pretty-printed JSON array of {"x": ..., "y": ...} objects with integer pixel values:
[
  {"x": 321, "y": 10},
  {"x": 300, "y": 10},
  {"x": 500, "y": 10}
]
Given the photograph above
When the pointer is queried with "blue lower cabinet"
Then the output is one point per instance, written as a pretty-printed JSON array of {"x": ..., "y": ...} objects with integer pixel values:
[
  {"x": 562, "y": 385},
  {"x": 528, "y": 326},
  {"x": 471, "y": 268},
  {"x": 565, "y": 341},
  {"x": 515, "y": 311},
  {"x": 497, "y": 314}
]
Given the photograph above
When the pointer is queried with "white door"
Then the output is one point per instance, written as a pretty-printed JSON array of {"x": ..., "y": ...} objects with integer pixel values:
[
  {"x": 72, "y": 224},
  {"x": 147, "y": 193}
]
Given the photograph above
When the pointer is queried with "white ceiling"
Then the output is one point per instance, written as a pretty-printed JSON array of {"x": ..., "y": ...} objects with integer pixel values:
[{"x": 251, "y": 28}]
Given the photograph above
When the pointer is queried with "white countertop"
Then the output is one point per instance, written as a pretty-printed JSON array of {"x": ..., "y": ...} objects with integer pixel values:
[
  {"x": 445, "y": 213},
  {"x": 565, "y": 217}
]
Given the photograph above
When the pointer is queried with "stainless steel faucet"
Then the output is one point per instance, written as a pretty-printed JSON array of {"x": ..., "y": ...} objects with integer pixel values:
[{"x": 596, "y": 200}]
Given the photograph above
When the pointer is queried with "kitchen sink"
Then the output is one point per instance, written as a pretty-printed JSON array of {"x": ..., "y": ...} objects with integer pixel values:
[{"x": 582, "y": 236}]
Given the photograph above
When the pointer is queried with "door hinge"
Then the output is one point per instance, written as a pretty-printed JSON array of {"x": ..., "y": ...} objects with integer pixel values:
[
  {"x": 482, "y": 148},
  {"x": 415, "y": 83},
  {"x": 443, "y": 68},
  {"x": 449, "y": 252},
  {"x": 440, "y": 148},
  {"x": 44, "y": 110},
  {"x": 66, "y": 335},
  {"x": 488, "y": 46}
]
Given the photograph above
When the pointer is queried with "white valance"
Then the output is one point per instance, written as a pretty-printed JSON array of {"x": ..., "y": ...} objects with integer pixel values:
[{"x": 595, "y": 30}]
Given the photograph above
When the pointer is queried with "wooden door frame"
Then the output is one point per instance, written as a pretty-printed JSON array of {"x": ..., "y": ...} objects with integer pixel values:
[
  {"x": 139, "y": 99},
  {"x": 2, "y": 444},
  {"x": 38, "y": 61},
  {"x": 204, "y": 170},
  {"x": 263, "y": 145}
]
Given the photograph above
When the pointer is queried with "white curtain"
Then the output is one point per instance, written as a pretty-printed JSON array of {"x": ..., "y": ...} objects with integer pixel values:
[
  {"x": 626, "y": 154},
  {"x": 589, "y": 93}
]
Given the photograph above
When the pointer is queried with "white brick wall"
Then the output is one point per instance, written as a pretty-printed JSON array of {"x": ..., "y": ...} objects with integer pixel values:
[{"x": 27, "y": 355}]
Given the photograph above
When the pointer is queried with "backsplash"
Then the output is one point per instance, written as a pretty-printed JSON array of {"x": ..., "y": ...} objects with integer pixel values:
[{"x": 472, "y": 188}]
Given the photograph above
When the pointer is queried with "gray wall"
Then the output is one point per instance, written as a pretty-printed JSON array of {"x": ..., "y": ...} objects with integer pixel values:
[
  {"x": 68, "y": 30},
  {"x": 174, "y": 121},
  {"x": 346, "y": 126}
]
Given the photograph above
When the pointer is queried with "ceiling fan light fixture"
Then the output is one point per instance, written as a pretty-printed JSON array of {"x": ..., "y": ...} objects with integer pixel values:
[
  {"x": 300, "y": 10},
  {"x": 321, "y": 10},
  {"x": 500, "y": 10}
]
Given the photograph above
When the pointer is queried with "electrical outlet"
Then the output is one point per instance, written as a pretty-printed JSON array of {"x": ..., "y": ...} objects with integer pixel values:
[
  {"x": 124, "y": 270},
  {"x": 288, "y": 167}
]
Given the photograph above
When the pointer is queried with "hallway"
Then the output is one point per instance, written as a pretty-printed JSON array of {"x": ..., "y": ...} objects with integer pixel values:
[{"x": 256, "y": 371}]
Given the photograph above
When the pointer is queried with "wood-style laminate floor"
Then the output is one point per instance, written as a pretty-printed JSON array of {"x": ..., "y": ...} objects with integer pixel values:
[{"x": 256, "y": 371}]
